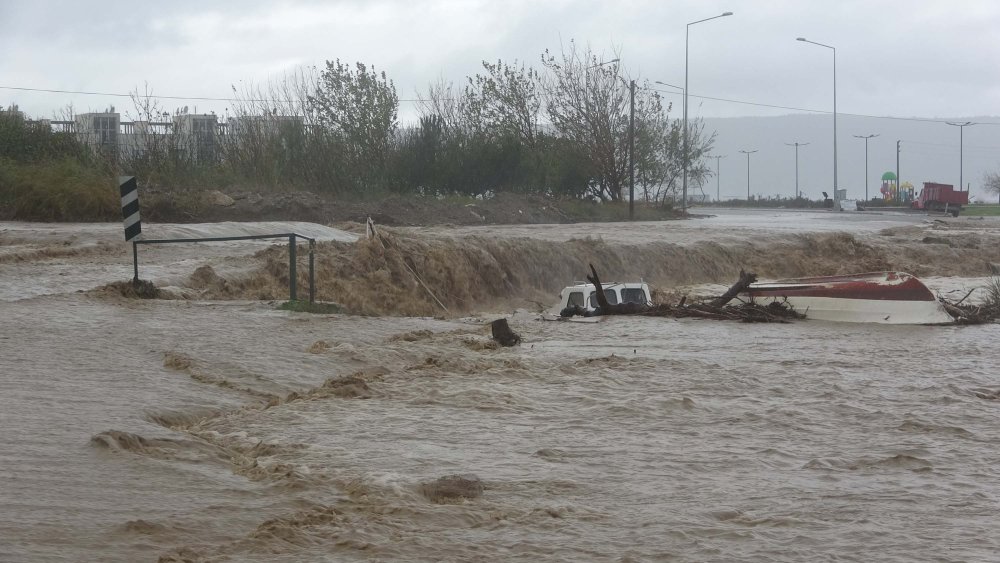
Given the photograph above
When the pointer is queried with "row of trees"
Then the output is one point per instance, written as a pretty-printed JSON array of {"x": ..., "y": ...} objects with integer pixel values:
[{"x": 561, "y": 128}]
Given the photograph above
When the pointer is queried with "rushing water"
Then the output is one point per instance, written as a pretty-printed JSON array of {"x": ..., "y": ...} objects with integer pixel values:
[{"x": 206, "y": 430}]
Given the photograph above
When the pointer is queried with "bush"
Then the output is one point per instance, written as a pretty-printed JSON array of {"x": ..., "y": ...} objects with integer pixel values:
[{"x": 56, "y": 190}]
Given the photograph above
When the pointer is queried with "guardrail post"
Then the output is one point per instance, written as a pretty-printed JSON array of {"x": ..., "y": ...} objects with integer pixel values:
[
  {"x": 312, "y": 271},
  {"x": 292, "y": 275},
  {"x": 135, "y": 263}
]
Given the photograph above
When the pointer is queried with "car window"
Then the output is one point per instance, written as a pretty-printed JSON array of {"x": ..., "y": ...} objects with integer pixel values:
[
  {"x": 633, "y": 295},
  {"x": 576, "y": 299},
  {"x": 611, "y": 296}
]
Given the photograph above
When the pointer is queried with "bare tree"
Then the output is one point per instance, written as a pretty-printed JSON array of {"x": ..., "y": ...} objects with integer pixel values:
[
  {"x": 270, "y": 134},
  {"x": 991, "y": 182},
  {"x": 700, "y": 144},
  {"x": 446, "y": 104}
]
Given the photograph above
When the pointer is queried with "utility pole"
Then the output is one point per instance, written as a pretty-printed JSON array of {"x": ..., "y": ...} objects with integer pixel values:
[
  {"x": 961, "y": 130},
  {"x": 796, "y": 145},
  {"x": 748, "y": 153},
  {"x": 717, "y": 158},
  {"x": 631, "y": 150},
  {"x": 866, "y": 137}
]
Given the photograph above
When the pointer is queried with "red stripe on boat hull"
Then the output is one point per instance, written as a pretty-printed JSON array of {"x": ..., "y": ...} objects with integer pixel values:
[{"x": 885, "y": 286}]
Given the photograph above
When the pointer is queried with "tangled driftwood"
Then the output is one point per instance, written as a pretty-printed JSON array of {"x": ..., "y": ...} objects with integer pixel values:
[
  {"x": 717, "y": 308},
  {"x": 966, "y": 314}
]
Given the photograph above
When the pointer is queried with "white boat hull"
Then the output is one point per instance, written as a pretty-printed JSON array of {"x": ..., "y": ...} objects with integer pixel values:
[
  {"x": 866, "y": 310},
  {"x": 871, "y": 297}
]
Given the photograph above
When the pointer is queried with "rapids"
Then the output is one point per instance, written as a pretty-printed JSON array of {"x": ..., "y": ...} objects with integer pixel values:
[{"x": 211, "y": 426}]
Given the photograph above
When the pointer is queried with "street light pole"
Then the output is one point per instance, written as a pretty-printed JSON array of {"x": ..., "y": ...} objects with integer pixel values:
[
  {"x": 687, "y": 34},
  {"x": 836, "y": 194},
  {"x": 748, "y": 153},
  {"x": 717, "y": 192},
  {"x": 796, "y": 145},
  {"x": 866, "y": 137},
  {"x": 899, "y": 181},
  {"x": 961, "y": 129}
]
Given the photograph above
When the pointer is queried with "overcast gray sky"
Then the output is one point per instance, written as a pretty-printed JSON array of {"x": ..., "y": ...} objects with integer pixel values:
[
  {"x": 923, "y": 58},
  {"x": 915, "y": 58}
]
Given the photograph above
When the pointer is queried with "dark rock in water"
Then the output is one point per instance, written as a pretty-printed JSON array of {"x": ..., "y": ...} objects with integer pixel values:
[
  {"x": 452, "y": 488},
  {"x": 503, "y": 334}
]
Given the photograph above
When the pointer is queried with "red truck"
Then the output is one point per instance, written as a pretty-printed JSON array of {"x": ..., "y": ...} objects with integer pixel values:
[{"x": 941, "y": 197}]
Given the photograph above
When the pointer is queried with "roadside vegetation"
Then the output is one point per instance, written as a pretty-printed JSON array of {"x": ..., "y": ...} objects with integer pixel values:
[
  {"x": 46, "y": 176},
  {"x": 558, "y": 130}
]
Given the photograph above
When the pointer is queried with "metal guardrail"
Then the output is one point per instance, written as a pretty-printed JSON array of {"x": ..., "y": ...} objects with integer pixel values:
[{"x": 292, "y": 256}]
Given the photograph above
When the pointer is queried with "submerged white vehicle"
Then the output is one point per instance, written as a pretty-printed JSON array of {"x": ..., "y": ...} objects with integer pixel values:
[{"x": 581, "y": 299}]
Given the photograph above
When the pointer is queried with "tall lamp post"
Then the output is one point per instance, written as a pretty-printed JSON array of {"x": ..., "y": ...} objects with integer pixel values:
[
  {"x": 866, "y": 137},
  {"x": 961, "y": 129},
  {"x": 717, "y": 158},
  {"x": 836, "y": 193},
  {"x": 748, "y": 153},
  {"x": 687, "y": 35},
  {"x": 796, "y": 145}
]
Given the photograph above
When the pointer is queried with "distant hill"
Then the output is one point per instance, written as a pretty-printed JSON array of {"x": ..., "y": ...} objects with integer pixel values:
[{"x": 930, "y": 153}]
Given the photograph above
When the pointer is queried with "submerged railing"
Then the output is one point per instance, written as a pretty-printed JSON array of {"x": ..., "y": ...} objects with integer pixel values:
[{"x": 292, "y": 257}]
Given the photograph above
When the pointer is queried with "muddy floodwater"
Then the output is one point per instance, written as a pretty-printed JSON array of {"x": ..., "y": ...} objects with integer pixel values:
[{"x": 208, "y": 425}]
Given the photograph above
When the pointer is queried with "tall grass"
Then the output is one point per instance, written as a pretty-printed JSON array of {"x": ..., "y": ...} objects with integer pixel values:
[{"x": 62, "y": 189}]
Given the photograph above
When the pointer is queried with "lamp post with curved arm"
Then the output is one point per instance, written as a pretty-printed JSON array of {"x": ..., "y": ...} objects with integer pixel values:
[
  {"x": 796, "y": 145},
  {"x": 836, "y": 193},
  {"x": 961, "y": 130},
  {"x": 866, "y": 138},
  {"x": 687, "y": 34},
  {"x": 748, "y": 153}
]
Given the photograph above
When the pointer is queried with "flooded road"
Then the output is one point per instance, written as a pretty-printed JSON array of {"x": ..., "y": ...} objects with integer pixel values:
[{"x": 207, "y": 429}]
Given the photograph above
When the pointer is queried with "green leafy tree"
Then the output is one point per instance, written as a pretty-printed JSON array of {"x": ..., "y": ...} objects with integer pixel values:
[
  {"x": 360, "y": 107},
  {"x": 506, "y": 101}
]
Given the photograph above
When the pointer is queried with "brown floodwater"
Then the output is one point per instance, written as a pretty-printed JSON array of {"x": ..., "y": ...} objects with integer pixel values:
[{"x": 214, "y": 427}]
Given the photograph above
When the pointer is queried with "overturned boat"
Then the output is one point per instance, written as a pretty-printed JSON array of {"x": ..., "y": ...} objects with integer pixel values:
[{"x": 873, "y": 297}]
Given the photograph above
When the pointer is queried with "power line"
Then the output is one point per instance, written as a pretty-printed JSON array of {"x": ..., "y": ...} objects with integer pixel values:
[
  {"x": 118, "y": 95},
  {"x": 713, "y": 98},
  {"x": 967, "y": 147}
]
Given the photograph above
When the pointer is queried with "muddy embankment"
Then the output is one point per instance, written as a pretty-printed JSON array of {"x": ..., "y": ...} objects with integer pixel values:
[{"x": 478, "y": 274}]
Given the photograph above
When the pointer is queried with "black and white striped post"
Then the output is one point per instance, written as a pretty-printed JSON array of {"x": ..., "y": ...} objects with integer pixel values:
[{"x": 130, "y": 215}]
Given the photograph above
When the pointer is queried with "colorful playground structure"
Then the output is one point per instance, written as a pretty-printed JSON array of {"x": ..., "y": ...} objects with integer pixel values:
[{"x": 895, "y": 194}]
